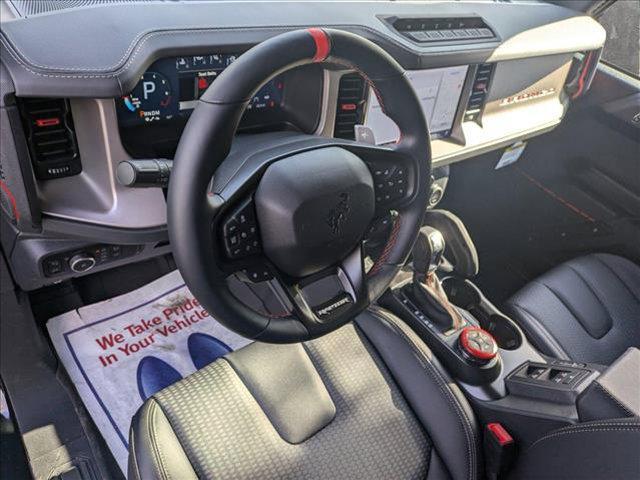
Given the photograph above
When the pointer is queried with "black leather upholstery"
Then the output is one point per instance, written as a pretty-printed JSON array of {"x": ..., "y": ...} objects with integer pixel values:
[
  {"x": 587, "y": 309},
  {"x": 390, "y": 412},
  {"x": 587, "y": 451}
]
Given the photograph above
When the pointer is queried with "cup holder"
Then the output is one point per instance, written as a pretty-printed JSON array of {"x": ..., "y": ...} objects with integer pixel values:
[
  {"x": 503, "y": 330},
  {"x": 461, "y": 293},
  {"x": 464, "y": 294}
]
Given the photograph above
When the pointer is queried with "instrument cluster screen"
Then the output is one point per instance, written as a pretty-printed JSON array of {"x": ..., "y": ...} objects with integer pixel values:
[{"x": 170, "y": 89}]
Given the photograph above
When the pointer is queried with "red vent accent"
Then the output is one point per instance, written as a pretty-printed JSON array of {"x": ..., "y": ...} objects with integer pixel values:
[
  {"x": 583, "y": 75},
  {"x": 12, "y": 200},
  {"x": 47, "y": 122}
]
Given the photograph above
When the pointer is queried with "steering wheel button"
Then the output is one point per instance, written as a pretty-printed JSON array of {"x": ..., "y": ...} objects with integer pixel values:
[
  {"x": 250, "y": 249},
  {"x": 230, "y": 227}
]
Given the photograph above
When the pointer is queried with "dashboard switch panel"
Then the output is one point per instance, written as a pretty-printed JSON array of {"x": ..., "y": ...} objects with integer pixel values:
[
  {"x": 84, "y": 259},
  {"x": 556, "y": 382},
  {"x": 440, "y": 30}
]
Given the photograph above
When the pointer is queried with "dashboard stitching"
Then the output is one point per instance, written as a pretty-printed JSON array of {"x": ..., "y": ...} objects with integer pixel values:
[
  {"x": 134, "y": 48},
  {"x": 48, "y": 75}
]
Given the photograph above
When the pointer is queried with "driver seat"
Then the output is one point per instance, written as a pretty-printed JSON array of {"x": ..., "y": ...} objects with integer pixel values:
[{"x": 366, "y": 401}]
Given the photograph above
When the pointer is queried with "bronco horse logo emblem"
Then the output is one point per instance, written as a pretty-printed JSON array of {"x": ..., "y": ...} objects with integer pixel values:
[{"x": 338, "y": 214}]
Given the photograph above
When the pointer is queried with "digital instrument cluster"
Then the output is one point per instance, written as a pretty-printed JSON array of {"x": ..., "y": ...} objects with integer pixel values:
[{"x": 169, "y": 90}]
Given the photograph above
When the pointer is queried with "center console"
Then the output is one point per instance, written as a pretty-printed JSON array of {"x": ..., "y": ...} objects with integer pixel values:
[{"x": 505, "y": 378}]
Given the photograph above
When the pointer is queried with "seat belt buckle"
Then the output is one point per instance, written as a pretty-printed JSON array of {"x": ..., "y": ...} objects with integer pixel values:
[{"x": 499, "y": 450}]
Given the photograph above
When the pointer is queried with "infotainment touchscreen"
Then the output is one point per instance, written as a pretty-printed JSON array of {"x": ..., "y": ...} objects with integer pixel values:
[{"x": 439, "y": 92}]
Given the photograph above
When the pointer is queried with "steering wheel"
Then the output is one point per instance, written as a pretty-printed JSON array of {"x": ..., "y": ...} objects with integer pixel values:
[{"x": 296, "y": 208}]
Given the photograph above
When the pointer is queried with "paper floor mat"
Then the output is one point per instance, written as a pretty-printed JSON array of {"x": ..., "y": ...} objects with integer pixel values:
[{"x": 118, "y": 351}]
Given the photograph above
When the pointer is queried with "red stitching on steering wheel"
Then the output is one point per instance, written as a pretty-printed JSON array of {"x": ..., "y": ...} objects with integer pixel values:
[{"x": 393, "y": 237}]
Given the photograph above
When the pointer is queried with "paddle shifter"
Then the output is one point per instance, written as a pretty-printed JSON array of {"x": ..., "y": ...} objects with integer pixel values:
[{"x": 429, "y": 294}]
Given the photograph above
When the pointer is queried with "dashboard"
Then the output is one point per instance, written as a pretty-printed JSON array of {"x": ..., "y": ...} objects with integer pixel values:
[{"x": 114, "y": 82}]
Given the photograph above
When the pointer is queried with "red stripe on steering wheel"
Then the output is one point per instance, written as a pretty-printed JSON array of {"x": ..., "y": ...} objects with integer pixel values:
[{"x": 323, "y": 47}]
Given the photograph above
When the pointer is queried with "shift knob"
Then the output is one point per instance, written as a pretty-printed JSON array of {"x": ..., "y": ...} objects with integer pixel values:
[
  {"x": 428, "y": 251},
  {"x": 477, "y": 344},
  {"x": 461, "y": 250}
]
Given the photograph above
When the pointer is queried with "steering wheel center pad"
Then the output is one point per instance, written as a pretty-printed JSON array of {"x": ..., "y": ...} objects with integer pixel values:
[
  {"x": 206, "y": 142},
  {"x": 313, "y": 208}
]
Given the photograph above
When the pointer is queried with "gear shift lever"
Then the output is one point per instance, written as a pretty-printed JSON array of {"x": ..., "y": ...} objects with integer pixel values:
[
  {"x": 461, "y": 249},
  {"x": 427, "y": 289},
  {"x": 428, "y": 251}
]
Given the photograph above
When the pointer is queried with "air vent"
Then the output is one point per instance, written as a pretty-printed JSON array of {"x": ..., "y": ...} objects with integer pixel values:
[
  {"x": 444, "y": 30},
  {"x": 583, "y": 69},
  {"x": 51, "y": 137},
  {"x": 478, "y": 92},
  {"x": 350, "y": 106}
]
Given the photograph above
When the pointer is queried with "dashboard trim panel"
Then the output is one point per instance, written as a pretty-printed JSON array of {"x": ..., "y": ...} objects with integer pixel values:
[
  {"x": 94, "y": 196},
  {"x": 109, "y": 65}
]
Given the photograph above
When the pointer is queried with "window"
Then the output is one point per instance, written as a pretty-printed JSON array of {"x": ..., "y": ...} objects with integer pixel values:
[{"x": 622, "y": 23}]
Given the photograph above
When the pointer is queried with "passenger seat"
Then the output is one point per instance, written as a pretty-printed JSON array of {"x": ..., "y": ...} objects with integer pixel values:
[{"x": 586, "y": 310}]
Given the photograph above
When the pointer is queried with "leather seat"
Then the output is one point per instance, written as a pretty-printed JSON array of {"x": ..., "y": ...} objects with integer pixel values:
[
  {"x": 586, "y": 310},
  {"x": 368, "y": 401}
]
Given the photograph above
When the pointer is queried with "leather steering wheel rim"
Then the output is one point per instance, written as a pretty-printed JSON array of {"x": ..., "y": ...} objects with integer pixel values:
[{"x": 206, "y": 142}]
